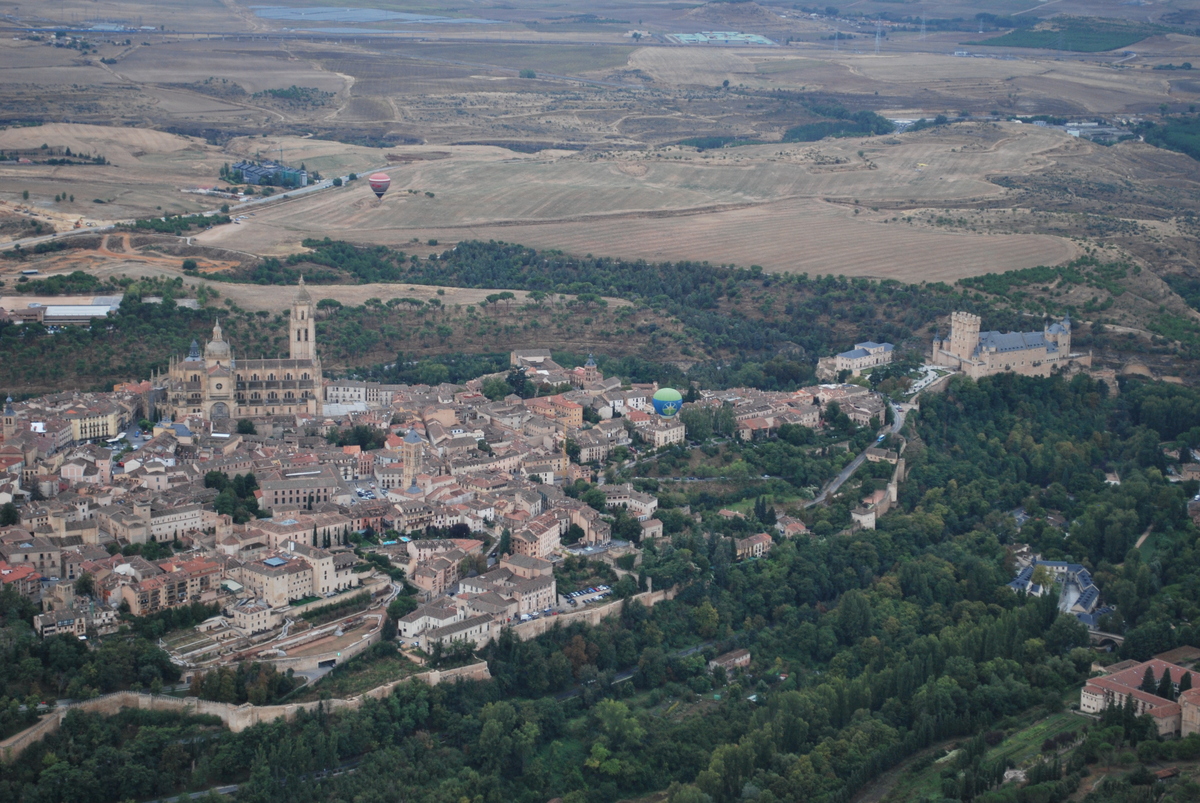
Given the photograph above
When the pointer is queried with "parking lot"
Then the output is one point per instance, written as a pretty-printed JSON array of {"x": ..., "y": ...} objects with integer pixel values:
[
  {"x": 583, "y": 597},
  {"x": 366, "y": 490}
]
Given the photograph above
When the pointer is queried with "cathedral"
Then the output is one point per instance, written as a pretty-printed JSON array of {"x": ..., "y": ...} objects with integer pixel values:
[{"x": 215, "y": 385}]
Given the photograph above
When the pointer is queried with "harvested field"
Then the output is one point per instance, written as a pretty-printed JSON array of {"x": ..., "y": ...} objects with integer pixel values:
[
  {"x": 793, "y": 236},
  {"x": 768, "y": 205},
  {"x": 226, "y": 65},
  {"x": 691, "y": 66}
]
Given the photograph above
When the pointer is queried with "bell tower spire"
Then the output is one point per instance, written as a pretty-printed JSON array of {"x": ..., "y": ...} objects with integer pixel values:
[{"x": 304, "y": 328}]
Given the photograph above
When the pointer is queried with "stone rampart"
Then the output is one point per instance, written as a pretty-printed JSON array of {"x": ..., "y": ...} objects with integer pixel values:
[
  {"x": 592, "y": 615},
  {"x": 236, "y": 717}
]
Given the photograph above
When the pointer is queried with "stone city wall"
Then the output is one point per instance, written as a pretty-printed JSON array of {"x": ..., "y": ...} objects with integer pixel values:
[{"x": 236, "y": 717}]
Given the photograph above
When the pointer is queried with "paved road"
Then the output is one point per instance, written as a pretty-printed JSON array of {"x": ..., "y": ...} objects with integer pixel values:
[
  {"x": 849, "y": 470},
  {"x": 220, "y": 790},
  {"x": 234, "y": 210}
]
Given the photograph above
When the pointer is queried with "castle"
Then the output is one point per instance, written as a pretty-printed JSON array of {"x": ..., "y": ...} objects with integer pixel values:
[
  {"x": 978, "y": 354},
  {"x": 215, "y": 385}
]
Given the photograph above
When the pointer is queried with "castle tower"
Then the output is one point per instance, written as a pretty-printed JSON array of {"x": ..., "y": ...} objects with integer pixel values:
[
  {"x": 964, "y": 334},
  {"x": 410, "y": 453},
  {"x": 304, "y": 328}
]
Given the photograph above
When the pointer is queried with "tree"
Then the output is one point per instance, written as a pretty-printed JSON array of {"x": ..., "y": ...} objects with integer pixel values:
[
  {"x": 707, "y": 619},
  {"x": 401, "y": 606},
  {"x": 190, "y": 264},
  {"x": 853, "y": 616},
  {"x": 574, "y": 534},
  {"x": 1148, "y": 684},
  {"x": 246, "y": 427},
  {"x": 519, "y": 383},
  {"x": 1166, "y": 689},
  {"x": 572, "y": 449},
  {"x": 495, "y": 388},
  {"x": 9, "y": 515},
  {"x": 85, "y": 584},
  {"x": 1185, "y": 682},
  {"x": 1043, "y": 576}
]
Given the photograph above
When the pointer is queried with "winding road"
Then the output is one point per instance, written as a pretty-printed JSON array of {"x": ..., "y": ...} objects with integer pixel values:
[{"x": 849, "y": 470}]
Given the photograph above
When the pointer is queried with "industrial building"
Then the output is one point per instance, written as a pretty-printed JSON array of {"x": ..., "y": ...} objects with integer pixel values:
[{"x": 271, "y": 173}]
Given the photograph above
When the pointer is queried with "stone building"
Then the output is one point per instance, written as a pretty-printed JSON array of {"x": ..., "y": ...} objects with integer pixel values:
[
  {"x": 1177, "y": 716},
  {"x": 215, "y": 385},
  {"x": 978, "y": 354},
  {"x": 864, "y": 356}
]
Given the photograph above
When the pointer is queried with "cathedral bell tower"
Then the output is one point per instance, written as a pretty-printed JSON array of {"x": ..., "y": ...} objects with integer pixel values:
[{"x": 304, "y": 327}]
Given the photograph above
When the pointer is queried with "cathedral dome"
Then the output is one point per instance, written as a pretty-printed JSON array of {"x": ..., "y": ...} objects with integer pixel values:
[{"x": 217, "y": 348}]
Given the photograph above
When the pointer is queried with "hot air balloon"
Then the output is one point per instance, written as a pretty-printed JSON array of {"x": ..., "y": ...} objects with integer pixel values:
[
  {"x": 667, "y": 402},
  {"x": 379, "y": 183}
]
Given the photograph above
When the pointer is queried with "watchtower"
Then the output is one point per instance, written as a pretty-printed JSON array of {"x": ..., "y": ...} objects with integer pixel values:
[{"x": 964, "y": 334}]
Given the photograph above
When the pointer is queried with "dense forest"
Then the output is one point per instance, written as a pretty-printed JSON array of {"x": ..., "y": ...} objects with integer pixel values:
[
  {"x": 868, "y": 646},
  {"x": 792, "y": 309},
  {"x": 738, "y": 326}
]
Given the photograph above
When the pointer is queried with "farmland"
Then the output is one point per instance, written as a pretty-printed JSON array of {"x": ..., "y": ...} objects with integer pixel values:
[
  {"x": 1076, "y": 34},
  {"x": 567, "y": 133},
  {"x": 791, "y": 208}
]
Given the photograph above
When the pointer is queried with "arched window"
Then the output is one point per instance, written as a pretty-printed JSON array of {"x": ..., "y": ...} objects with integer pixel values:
[
  {"x": 298, "y": 338},
  {"x": 288, "y": 394},
  {"x": 287, "y": 376},
  {"x": 270, "y": 377},
  {"x": 304, "y": 375},
  {"x": 254, "y": 378}
]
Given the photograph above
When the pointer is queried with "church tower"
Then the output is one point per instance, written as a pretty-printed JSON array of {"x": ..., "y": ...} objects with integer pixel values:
[
  {"x": 410, "y": 456},
  {"x": 10, "y": 420},
  {"x": 304, "y": 327}
]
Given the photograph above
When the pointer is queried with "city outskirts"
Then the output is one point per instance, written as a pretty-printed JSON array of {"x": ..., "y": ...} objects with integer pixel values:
[{"x": 706, "y": 402}]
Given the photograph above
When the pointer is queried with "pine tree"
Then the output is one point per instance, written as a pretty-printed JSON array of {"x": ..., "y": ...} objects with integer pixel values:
[
  {"x": 1185, "y": 682},
  {"x": 1148, "y": 684},
  {"x": 1165, "y": 689}
]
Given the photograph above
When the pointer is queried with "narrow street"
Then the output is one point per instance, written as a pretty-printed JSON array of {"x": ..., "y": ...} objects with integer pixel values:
[{"x": 853, "y": 466}]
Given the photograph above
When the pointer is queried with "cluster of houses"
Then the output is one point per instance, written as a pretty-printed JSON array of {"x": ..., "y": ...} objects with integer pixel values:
[
  {"x": 452, "y": 459},
  {"x": 517, "y": 588}
]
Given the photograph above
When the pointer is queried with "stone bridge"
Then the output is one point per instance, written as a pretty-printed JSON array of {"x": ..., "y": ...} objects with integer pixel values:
[{"x": 1101, "y": 639}]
